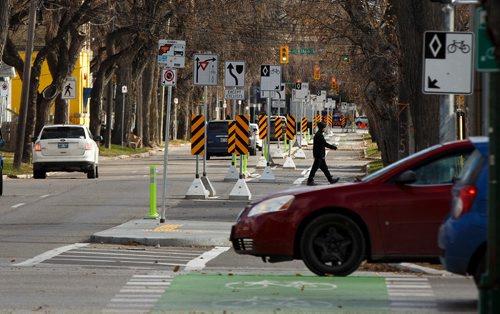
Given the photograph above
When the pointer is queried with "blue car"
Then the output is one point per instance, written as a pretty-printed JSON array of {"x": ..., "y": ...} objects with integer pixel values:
[{"x": 462, "y": 236}]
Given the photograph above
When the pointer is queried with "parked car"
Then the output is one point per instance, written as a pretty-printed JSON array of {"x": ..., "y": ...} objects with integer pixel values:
[
  {"x": 64, "y": 147},
  {"x": 217, "y": 137},
  {"x": 463, "y": 235},
  {"x": 361, "y": 121},
  {"x": 254, "y": 128},
  {"x": 390, "y": 215}
]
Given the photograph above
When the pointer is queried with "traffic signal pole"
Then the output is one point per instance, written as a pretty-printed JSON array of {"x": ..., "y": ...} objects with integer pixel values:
[{"x": 489, "y": 290}]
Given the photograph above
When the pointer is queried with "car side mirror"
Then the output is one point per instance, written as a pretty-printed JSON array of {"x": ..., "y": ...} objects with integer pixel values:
[
  {"x": 406, "y": 177},
  {"x": 98, "y": 138}
]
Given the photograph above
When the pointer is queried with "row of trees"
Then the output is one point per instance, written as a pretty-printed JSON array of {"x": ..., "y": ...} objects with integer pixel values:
[{"x": 382, "y": 38}]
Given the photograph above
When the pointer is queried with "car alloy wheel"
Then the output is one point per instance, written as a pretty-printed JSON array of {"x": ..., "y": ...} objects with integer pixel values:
[{"x": 332, "y": 244}]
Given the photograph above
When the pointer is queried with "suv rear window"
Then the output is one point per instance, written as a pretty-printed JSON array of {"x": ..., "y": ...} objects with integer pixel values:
[
  {"x": 217, "y": 126},
  {"x": 62, "y": 132}
]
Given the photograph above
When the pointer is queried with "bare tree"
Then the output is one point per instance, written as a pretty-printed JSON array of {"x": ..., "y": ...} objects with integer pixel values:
[{"x": 4, "y": 23}]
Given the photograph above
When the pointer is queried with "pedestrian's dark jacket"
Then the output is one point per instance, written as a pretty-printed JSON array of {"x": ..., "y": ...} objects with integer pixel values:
[{"x": 319, "y": 145}]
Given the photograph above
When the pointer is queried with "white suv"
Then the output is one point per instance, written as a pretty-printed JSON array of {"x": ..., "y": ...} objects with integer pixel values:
[{"x": 64, "y": 147}]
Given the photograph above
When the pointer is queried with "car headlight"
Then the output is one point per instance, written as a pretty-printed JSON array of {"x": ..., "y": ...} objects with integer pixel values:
[{"x": 272, "y": 205}]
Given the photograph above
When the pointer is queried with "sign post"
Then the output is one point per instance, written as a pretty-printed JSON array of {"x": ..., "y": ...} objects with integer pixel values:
[{"x": 172, "y": 54}]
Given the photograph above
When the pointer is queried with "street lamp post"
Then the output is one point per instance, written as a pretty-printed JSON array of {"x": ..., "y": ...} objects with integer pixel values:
[{"x": 124, "y": 92}]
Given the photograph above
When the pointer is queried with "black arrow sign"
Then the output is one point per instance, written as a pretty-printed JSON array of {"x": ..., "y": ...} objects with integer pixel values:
[
  {"x": 432, "y": 83},
  {"x": 230, "y": 68}
]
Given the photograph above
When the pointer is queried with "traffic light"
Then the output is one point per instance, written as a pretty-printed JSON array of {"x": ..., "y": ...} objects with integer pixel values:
[
  {"x": 317, "y": 74},
  {"x": 334, "y": 83},
  {"x": 284, "y": 54}
]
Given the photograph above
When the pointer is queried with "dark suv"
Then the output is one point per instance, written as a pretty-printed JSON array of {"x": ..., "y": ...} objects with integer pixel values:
[{"x": 217, "y": 136}]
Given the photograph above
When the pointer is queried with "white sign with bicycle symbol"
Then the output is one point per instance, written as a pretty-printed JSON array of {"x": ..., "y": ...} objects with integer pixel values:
[{"x": 448, "y": 63}]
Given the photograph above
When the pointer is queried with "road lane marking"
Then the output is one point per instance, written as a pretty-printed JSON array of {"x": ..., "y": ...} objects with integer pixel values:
[
  {"x": 50, "y": 254},
  {"x": 200, "y": 262},
  {"x": 18, "y": 205},
  {"x": 44, "y": 196}
]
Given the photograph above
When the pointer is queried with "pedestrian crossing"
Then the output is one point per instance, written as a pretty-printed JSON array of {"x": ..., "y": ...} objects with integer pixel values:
[
  {"x": 140, "y": 293},
  {"x": 410, "y": 294},
  {"x": 122, "y": 257}
]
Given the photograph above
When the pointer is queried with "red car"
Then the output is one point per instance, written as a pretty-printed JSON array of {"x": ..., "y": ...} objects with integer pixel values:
[{"x": 392, "y": 215}]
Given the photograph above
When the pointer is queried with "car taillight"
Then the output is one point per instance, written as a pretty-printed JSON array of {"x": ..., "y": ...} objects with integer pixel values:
[
  {"x": 88, "y": 146},
  {"x": 38, "y": 147},
  {"x": 466, "y": 198}
]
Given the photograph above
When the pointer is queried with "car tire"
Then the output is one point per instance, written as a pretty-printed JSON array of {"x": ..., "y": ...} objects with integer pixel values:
[
  {"x": 39, "y": 174},
  {"x": 332, "y": 244},
  {"x": 208, "y": 157},
  {"x": 480, "y": 270},
  {"x": 92, "y": 173},
  {"x": 97, "y": 171}
]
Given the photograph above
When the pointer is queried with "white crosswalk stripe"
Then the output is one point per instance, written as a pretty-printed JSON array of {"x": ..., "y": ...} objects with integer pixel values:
[{"x": 410, "y": 294}]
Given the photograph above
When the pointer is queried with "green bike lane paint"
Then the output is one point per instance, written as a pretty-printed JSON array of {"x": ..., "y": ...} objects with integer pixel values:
[{"x": 226, "y": 293}]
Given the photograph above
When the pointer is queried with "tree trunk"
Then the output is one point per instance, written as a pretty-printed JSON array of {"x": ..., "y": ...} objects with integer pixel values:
[
  {"x": 61, "y": 111},
  {"x": 148, "y": 90},
  {"x": 414, "y": 18},
  {"x": 5, "y": 6}
]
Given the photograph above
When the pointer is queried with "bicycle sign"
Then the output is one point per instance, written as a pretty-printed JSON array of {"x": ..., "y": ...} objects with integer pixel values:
[{"x": 448, "y": 63}]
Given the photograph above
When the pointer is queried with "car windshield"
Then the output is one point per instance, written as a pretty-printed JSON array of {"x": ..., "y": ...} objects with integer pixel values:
[
  {"x": 62, "y": 132},
  {"x": 471, "y": 168},
  {"x": 380, "y": 172}
]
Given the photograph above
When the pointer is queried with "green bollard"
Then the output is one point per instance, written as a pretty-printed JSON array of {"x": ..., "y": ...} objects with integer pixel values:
[
  {"x": 265, "y": 151},
  {"x": 152, "y": 193},
  {"x": 245, "y": 170}
]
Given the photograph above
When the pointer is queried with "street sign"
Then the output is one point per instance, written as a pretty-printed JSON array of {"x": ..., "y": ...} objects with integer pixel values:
[
  {"x": 124, "y": 89},
  {"x": 485, "y": 51},
  {"x": 171, "y": 53},
  {"x": 69, "y": 89},
  {"x": 234, "y": 74},
  {"x": 279, "y": 94},
  {"x": 205, "y": 69},
  {"x": 235, "y": 93},
  {"x": 301, "y": 90},
  {"x": 4, "y": 89},
  {"x": 270, "y": 77},
  {"x": 168, "y": 77},
  {"x": 447, "y": 63}
]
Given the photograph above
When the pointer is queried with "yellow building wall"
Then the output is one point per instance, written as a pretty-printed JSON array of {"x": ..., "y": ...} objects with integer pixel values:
[{"x": 78, "y": 112}]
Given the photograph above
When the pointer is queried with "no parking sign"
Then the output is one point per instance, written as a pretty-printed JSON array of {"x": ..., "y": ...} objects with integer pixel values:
[
  {"x": 4, "y": 89},
  {"x": 168, "y": 77}
]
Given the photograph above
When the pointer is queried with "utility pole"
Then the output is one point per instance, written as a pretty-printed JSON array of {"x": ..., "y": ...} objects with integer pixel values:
[
  {"x": 23, "y": 109},
  {"x": 447, "y": 128}
]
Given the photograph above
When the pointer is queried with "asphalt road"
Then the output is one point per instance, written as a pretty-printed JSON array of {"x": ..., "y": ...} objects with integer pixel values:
[{"x": 42, "y": 220}]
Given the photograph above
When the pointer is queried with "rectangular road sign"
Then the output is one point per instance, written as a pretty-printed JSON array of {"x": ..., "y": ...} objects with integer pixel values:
[
  {"x": 171, "y": 53},
  {"x": 448, "y": 63},
  {"x": 234, "y": 93},
  {"x": 270, "y": 77},
  {"x": 234, "y": 74},
  {"x": 205, "y": 69},
  {"x": 485, "y": 51},
  {"x": 69, "y": 89}
]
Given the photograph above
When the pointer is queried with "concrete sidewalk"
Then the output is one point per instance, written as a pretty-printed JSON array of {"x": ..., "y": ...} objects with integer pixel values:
[{"x": 171, "y": 233}]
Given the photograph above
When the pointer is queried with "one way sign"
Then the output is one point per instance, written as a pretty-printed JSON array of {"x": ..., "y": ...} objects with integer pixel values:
[{"x": 448, "y": 63}]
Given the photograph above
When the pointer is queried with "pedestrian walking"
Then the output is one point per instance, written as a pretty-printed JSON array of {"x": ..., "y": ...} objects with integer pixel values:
[{"x": 319, "y": 146}]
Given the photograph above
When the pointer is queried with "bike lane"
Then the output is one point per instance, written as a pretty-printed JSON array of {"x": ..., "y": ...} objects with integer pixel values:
[{"x": 213, "y": 293}]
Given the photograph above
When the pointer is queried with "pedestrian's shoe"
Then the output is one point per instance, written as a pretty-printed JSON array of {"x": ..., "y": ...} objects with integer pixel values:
[
  {"x": 334, "y": 180},
  {"x": 311, "y": 182}
]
